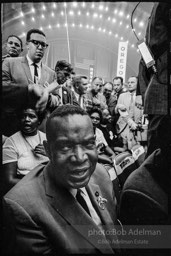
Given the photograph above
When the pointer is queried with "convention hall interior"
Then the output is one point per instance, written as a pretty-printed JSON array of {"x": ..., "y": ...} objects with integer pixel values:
[{"x": 87, "y": 34}]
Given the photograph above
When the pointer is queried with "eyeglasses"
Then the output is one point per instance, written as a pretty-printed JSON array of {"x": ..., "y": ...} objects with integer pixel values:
[{"x": 38, "y": 43}]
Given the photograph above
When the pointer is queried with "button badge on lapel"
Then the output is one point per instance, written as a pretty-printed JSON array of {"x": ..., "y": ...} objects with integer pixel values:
[{"x": 101, "y": 200}]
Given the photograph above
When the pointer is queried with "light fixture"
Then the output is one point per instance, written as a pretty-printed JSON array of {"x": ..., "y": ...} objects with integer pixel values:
[
  {"x": 127, "y": 26},
  {"x": 121, "y": 38},
  {"x": 44, "y": 7},
  {"x": 58, "y": 25},
  {"x": 41, "y": 28},
  {"x": 65, "y": 5},
  {"x": 101, "y": 7},
  {"x": 54, "y": 5},
  {"x": 104, "y": 30},
  {"x": 79, "y": 13},
  {"x": 92, "y": 6},
  {"x": 33, "y": 19},
  {"x": 120, "y": 23},
  {"x": 87, "y": 13},
  {"x": 92, "y": 27},
  {"x": 83, "y": 4},
  {"x": 95, "y": 15},
  {"x": 141, "y": 24},
  {"x": 139, "y": 33},
  {"x": 52, "y": 14},
  {"x": 73, "y": 25},
  {"x": 87, "y": 26},
  {"x": 50, "y": 26},
  {"x": 22, "y": 22},
  {"x": 128, "y": 16},
  {"x": 32, "y": 10},
  {"x": 43, "y": 16},
  {"x": 81, "y": 25},
  {"x": 101, "y": 16},
  {"x": 75, "y": 4},
  {"x": 132, "y": 45},
  {"x": 99, "y": 29},
  {"x": 110, "y": 32},
  {"x": 62, "y": 13},
  {"x": 108, "y": 18},
  {"x": 71, "y": 13},
  {"x": 21, "y": 14},
  {"x": 106, "y": 9},
  {"x": 121, "y": 13},
  {"x": 115, "y": 11},
  {"x": 135, "y": 19},
  {"x": 116, "y": 35}
]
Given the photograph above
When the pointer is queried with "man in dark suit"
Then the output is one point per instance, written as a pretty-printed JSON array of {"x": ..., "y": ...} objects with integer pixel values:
[
  {"x": 27, "y": 80},
  {"x": 43, "y": 212},
  {"x": 154, "y": 88}
]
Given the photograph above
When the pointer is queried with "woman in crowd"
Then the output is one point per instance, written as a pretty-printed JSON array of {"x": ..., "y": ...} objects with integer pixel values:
[
  {"x": 105, "y": 153},
  {"x": 24, "y": 150}
]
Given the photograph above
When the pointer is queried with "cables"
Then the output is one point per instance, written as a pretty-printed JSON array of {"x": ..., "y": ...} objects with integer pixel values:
[{"x": 132, "y": 19}]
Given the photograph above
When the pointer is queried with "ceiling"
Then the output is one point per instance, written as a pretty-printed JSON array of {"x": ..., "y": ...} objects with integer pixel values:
[{"x": 100, "y": 23}]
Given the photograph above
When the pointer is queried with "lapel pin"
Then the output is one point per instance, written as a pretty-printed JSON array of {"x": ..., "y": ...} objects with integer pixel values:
[{"x": 101, "y": 202}]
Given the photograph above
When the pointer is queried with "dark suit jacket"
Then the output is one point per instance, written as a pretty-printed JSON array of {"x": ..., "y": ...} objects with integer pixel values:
[
  {"x": 15, "y": 79},
  {"x": 45, "y": 219},
  {"x": 154, "y": 89}
]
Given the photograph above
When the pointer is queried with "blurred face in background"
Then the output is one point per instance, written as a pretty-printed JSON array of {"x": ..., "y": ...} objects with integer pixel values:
[
  {"x": 97, "y": 85},
  {"x": 132, "y": 84},
  {"x": 107, "y": 90},
  {"x": 13, "y": 46},
  {"x": 117, "y": 84},
  {"x": 106, "y": 117},
  {"x": 95, "y": 117}
]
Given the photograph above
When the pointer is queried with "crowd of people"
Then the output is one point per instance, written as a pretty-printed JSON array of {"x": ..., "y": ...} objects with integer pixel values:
[{"x": 61, "y": 136}]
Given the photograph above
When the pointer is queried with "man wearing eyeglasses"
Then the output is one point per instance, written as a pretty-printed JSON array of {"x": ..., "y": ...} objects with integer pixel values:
[{"x": 26, "y": 80}]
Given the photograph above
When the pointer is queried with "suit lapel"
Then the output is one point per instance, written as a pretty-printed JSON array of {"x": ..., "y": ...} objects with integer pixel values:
[
  {"x": 27, "y": 69},
  {"x": 70, "y": 210},
  {"x": 44, "y": 75}
]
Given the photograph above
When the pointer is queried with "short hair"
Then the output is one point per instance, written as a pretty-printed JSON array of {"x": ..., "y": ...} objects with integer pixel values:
[
  {"x": 17, "y": 38},
  {"x": 96, "y": 110},
  {"x": 134, "y": 76},
  {"x": 61, "y": 111},
  {"x": 41, "y": 115},
  {"x": 118, "y": 77},
  {"x": 34, "y": 30},
  {"x": 63, "y": 65},
  {"x": 95, "y": 77},
  {"x": 108, "y": 83},
  {"x": 77, "y": 80}
]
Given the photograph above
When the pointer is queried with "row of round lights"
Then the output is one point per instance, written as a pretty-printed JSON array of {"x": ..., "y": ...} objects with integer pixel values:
[{"x": 87, "y": 26}]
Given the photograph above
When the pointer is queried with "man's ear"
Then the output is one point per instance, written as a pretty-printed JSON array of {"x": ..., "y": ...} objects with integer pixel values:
[{"x": 46, "y": 146}]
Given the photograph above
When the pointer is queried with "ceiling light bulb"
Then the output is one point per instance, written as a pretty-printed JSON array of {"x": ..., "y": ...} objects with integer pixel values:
[
  {"x": 132, "y": 45},
  {"x": 33, "y": 19},
  {"x": 110, "y": 32},
  {"x": 120, "y": 23},
  {"x": 75, "y": 4},
  {"x": 71, "y": 13},
  {"x": 108, "y": 18},
  {"x": 141, "y": 24},
  {"x": 116, "y": 35},
  {"x": 104, "y": 30},
  {"x": 62, "y": 13},
  {"x": 21, "y": 14},
  {"x": 95, "y": 15},
  {"x": 135, "y": 19},
  {"x": 81, "y": 25},
  {"x": 22, "y": 22},
  {"x": 115, "y": 11},
  {"x": 87, "y": 26},
  {"x": 127, "y": 16},
  {"x": 92, "y": 6},
  {"x": 54, "y": 5},
  {"x": 83, "y": 4},
  {"x": 87, "y": 13},
  {"x": 43, "y": 16},
  {"x": 101, "y": 16},
  {"x": 114, "y": 20},
  {"x": 44, "y": 7},
  {"x": 127, "y": 26},
  {"x": 79, "y": 13},
  {"x": 139, "y": 33},
  {"x": 33, "y": 10},
  {"x": 50, "y": 26},
  {"x": 52, "y": 14},
  {"x": 106, "y": 9},
  {"x": 101, "y": 7},
  {"x": 120, "y": 13},
  {"x": 41, "y": 28}
]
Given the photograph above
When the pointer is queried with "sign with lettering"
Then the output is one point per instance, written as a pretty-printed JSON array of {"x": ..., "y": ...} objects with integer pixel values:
[{"x": 122, "y": 59}]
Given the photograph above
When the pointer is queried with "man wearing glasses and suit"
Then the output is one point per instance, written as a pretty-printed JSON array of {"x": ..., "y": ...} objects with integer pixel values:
[{"x": 27, "y": 80}]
